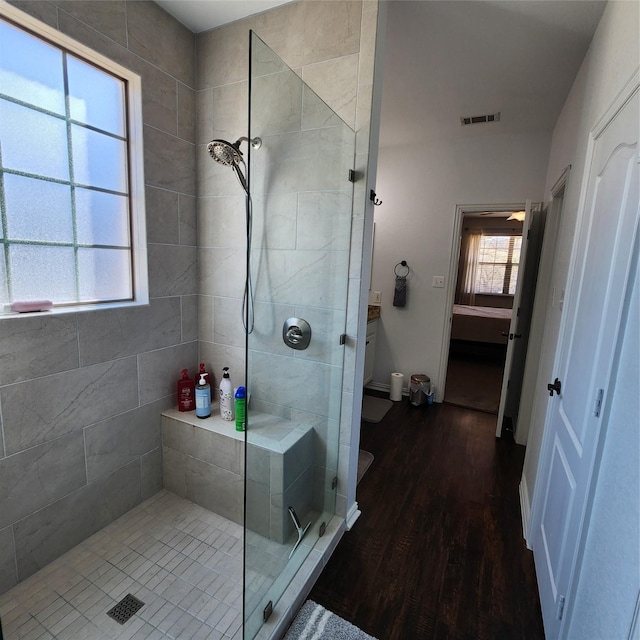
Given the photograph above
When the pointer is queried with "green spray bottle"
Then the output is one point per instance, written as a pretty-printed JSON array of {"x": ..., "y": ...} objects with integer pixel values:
[{"x": 240, "y": 408}]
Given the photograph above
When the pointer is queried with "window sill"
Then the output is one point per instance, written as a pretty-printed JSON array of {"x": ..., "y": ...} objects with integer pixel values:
[{"x": 5, "y": 309}]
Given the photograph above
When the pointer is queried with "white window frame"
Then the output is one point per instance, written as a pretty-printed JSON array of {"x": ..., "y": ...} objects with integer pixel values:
[
  {"x": 508, "y": 265},
  {"x": 140, "y": 288}
]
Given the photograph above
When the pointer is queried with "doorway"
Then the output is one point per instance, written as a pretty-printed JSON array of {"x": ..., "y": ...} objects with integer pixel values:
[{"x": 495, "y": 265}]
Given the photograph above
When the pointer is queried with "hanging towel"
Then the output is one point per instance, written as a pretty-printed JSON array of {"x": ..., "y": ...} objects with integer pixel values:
[{"x": 400, "y": 293}]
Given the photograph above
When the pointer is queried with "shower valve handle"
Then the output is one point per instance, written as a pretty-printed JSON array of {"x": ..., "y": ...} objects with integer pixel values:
[{"x": 294, "y": 335}]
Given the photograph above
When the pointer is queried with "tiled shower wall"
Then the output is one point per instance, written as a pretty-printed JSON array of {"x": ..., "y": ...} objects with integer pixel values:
[
  {"x": 330, "y": 45},
  {"x": 81, "y": 394}
]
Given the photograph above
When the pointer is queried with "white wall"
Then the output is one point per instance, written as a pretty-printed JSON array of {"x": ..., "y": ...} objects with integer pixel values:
[{"x": 420, "y": 187}]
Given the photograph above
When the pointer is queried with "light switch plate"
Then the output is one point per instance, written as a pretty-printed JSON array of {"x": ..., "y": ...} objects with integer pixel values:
[
  {"x": 438, "y": 281},
  {"x": 377, "y": 297}
]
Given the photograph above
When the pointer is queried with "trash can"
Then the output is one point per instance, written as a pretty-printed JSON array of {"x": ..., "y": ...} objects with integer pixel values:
[{"x": 419, "y": 389}]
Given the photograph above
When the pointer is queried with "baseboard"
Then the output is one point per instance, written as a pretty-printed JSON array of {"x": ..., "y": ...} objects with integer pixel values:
[
  {"x": 379, "y": 386},
  {"x": 525, "y": 510},
  {"x": 352, "y": 515}
]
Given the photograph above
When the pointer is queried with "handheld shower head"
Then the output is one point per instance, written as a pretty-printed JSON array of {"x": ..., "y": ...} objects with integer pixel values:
[
  {"x": 229, "y": 155},
  {"x": 225, "y": 153}
]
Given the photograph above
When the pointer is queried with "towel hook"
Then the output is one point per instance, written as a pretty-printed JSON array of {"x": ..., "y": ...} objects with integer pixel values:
[
  {"x": 374, "y": 198},
  {"x": 402, "y": 263}
]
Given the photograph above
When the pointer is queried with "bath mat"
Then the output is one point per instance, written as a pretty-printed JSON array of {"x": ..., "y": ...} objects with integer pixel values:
[
  {"x": 314, "y": 621},
  {"x": 364, "y": 462},
  {"x": 374, "y": 409}
]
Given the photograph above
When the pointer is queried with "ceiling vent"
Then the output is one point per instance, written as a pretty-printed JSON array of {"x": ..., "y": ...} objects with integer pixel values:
[{"x": 490, "y": 117}]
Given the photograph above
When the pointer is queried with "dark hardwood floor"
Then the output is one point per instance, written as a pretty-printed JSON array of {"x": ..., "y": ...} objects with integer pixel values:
[{"x": 438, "y": 550}]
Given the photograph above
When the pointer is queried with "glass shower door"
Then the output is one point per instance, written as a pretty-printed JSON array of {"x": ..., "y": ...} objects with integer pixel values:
[{"x": 298, "y": 260}]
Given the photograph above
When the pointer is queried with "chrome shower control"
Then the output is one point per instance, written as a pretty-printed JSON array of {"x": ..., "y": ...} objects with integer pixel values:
[{"x": 296, "y": 333}]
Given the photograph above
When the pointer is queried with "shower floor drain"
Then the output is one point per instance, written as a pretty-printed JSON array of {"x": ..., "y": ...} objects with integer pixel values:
[{"x": 127, "y": 607}]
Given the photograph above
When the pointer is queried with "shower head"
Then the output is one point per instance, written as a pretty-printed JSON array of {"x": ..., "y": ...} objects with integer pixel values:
[
  {"x": 224, "y": 152},
  {"x": 229, "y": 154}
]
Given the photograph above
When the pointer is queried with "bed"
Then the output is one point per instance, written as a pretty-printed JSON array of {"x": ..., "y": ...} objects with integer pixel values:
[{"x": 480, "y": 324}]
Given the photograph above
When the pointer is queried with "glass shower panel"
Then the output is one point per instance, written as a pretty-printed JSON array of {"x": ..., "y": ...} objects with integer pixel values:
[{"x": 300, "y": 236}]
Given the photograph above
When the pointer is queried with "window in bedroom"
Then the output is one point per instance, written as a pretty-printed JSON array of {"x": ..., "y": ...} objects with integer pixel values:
[
  {"x": 71, "y": 185},
  {"x": 497, "y": 266}
]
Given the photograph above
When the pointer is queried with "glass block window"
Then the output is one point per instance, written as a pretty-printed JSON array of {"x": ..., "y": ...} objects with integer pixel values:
[
  {"x": 71, "y": 187},
  {"x": 498, "y": 261}
]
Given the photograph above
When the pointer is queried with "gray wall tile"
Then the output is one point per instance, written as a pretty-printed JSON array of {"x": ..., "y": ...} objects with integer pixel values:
[
  {"x": 37, "y": 346},
  {"x": 155, "y": 35},
  {"x": 169, "y": 162},
  {"x": 8, "y": 573},
  {"x": 187, "y": 206},
  {"x": 222, "y": 221},
  {"x": 172, "y": 270},
  {"x": 1, "y": 435},
  {"x": 40, "y": 9},
  {"x": 50, "y": 532},
  {"x": 110, "y": 20},
  {"x": 43, "y": 411},
  {"x": 211, "y": 487},
  {"x": 307, "y": 32},
  {"x": 186, "y": 113},
  {"x": 151, "y": 472},
  {"x": 116, "y": 333},
  {"x": 160, "y": 370},
  {"x": 228, "y": 47},
  {"x": 208, "y": 446},
  {"x": 112, "y": 443},
  {"x": 163, "y": 226},
  {"x": 258, "y": 512},
  {"x": 189, "y": 318},
  {"x": 159, "y": 96},
  {"x": 46, "y": 408},
  {"x": 95, "y": 39},
  {"x": 33, "y": 478},
  {"x": 296, "y": 384}
]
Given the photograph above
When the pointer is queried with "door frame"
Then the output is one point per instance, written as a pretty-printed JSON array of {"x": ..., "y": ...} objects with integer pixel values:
[
  {"x": 461, "y": 210},
  {"x": 515, "y": 319},
  {"x": 541, "y": 300}
]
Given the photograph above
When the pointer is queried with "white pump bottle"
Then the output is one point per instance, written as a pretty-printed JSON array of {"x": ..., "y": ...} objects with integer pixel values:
[{"x": 226, "y": 396}]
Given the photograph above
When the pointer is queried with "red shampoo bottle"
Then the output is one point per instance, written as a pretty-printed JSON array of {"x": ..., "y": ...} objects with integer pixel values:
[{"x": 186, "y": 392}]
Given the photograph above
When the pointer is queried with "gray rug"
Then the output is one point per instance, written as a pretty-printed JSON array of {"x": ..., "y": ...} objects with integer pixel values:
[
  {"x": 314, "y": 621},
  {"x": 364, "y": 462},
  {"x": 374, "y": 409}
]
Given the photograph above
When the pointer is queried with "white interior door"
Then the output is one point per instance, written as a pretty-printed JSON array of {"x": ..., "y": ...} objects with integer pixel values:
[
  {"x": 588, "y": 338},
  {"x": 513, "y": 325}
]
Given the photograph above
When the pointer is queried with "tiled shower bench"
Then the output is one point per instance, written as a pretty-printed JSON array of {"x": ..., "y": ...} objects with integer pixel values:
[{"x": 203, "y": 461}]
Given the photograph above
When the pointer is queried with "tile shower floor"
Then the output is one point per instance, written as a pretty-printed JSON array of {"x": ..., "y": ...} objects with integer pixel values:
[{"x": 182, "y": 561}]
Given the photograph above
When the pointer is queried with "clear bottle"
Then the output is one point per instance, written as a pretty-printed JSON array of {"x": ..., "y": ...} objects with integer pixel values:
[
  {"x": 241, "y": 408},
  {"x": 203, "y": 398},
  {"x": 226, "y": 396}
]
